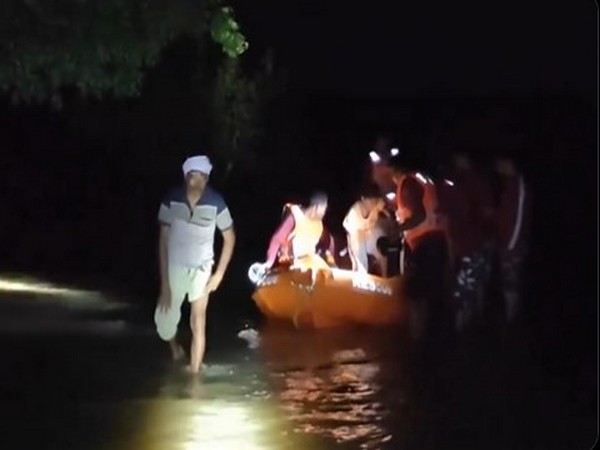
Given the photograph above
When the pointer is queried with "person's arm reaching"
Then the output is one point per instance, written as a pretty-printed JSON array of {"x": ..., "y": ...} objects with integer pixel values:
[
  {"x": 279, "y": 238},
  {"x": 225, "y": 225},
  {"x": 163, "y": 240},
  {"x": 330, "y": 254},
  {"x": 224, "y": 259},
  {"x": 327, "y": 245},
  {"x": 164, "y": 218}
]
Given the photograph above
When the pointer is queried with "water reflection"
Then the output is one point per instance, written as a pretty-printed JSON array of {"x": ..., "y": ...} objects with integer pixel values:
[
  {"x": 339, "y": 403},
  {"x": 329, "y": 383},
  {"x": 353, "y": 389},
  {"x": 74, "y": 388},
  {"x": 299, "y": 390},
  {"x": 215, "y": 424},
  {"x": 228, "y": 408}
]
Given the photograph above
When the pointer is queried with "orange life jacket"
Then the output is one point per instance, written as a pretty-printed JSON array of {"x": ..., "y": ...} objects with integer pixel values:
[
  {"x": 306, "y": 234},
  {"x": 433, "y": 218}
]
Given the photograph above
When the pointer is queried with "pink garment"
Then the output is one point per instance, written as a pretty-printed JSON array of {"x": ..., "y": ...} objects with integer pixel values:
[{"x": 280, "y": 238}]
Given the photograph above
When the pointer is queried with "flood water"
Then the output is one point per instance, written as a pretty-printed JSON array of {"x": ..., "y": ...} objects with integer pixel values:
[{"x": 86, "y": 372}]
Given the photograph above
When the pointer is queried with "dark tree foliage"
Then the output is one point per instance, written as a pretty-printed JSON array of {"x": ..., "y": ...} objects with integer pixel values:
[{"x": 99, "y": 47}]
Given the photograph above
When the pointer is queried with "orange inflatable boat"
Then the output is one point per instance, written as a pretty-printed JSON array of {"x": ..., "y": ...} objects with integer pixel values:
[{"x": 323, "y": 298}]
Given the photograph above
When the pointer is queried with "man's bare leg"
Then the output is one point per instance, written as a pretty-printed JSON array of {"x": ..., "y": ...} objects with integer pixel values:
[
  {"x": 198, "y": 325},
  {"x": 176, "y": 350}
]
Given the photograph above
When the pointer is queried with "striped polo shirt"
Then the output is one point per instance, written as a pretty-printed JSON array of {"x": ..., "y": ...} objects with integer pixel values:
[{"x": 192, "y": 230}]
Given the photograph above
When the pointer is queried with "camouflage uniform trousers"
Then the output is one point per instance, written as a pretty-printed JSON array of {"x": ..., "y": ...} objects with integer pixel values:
[
  {"x": 472, "y": 274},
  {"x": 511, "y": 265}
]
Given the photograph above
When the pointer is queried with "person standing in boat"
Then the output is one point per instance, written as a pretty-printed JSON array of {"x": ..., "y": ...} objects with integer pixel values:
[
  {"x": 381, "y": 174},
  {"x": 364, "y": 229},
  {"x": 422, "y": 227},
  {"x": 512, "y": 220},
  {"x": 188, "y": 217},
  {"x": 300, "y": 235}
]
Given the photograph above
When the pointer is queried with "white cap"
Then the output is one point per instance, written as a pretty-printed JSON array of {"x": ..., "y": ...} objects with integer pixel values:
[{"x": 198, "y": 163}]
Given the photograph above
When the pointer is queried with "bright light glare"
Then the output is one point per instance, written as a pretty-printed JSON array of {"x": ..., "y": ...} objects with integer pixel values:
[
  {"x": 206, "y": 423},
  {"x": 421, "y": 177},
  {"x": 222, "y": 427},
  {"x": 340, "y": 405},
  {"x": 256, "y": 272},
  {"x": 394, "y": 151},
  {"x": 33, "y": 287},
  {"x": 390, "y": 195},
  {"x": 449, "y": 183},
  {"x": 374, "y": 157}
]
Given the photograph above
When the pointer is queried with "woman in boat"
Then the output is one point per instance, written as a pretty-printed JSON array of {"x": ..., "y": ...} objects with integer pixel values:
[
  {"x": 364, "y": 230},
  {"x": 301, "y": 232}
]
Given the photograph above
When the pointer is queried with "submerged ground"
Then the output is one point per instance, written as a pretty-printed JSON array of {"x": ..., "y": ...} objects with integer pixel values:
[{"x": 86, "y": 371}]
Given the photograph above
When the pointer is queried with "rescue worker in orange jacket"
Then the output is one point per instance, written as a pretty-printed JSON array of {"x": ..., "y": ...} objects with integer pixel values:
[
  {"x": 299, "y": 235},
  {"x": 422, "y": 227}
]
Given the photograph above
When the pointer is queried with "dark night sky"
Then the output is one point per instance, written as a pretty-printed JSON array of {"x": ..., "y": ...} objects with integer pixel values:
[{"x": 398, "y": 48}]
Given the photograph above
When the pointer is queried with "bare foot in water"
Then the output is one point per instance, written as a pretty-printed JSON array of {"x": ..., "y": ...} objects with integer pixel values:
[
  {"x": 188, "y": 369},
  {"x": 195, "y": 388}
]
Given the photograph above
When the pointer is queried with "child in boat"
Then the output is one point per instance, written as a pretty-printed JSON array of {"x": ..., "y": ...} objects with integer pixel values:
[{"x": 364, "y": 229}]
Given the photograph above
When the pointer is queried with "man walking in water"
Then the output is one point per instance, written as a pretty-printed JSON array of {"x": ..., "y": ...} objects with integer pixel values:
[{"x": 188, "y": 217}]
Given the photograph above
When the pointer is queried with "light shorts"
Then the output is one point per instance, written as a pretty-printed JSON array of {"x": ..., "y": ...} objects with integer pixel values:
[{"x": 182, "y": 281}]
